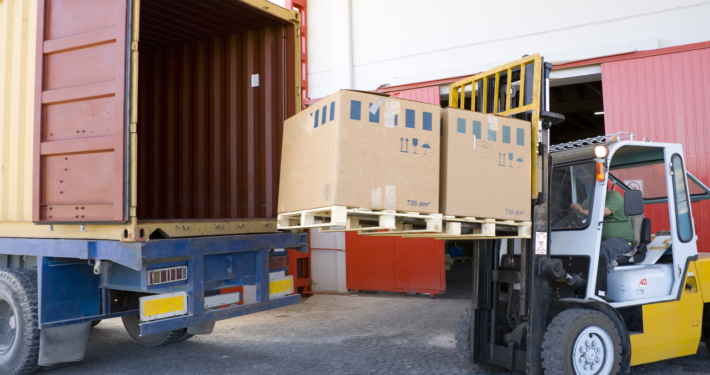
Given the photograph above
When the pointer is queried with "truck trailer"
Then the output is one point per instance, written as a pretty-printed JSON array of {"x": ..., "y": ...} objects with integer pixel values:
[{"x": 141, "y": 145}]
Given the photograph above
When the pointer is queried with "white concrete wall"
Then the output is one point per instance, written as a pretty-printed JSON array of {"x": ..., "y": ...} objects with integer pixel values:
[
  {"x": 363, "y": 44},
  {"x": 327, "y": 265}
]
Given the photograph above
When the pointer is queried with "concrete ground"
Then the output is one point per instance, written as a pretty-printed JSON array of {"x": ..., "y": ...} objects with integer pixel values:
[{"x": 325, "y": 334}]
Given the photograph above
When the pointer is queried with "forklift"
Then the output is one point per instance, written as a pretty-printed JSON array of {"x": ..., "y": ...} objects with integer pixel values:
[{"x": 553, "y": 304}]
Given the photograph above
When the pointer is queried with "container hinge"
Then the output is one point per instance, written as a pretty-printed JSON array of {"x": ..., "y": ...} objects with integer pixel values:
[{"x": 134, "y": 46}]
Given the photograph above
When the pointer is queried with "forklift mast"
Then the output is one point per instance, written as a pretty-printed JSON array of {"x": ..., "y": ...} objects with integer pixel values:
[{"x": 518, "y": 89}]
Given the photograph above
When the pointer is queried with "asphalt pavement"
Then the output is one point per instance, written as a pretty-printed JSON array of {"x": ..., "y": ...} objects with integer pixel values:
[{"x": 324, "y": 334}]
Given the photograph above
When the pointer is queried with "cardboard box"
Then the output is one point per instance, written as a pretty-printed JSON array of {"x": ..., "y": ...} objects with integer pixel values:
[
  {"x": 485, "y": 166},
  {"x": 362, "y": 150}
]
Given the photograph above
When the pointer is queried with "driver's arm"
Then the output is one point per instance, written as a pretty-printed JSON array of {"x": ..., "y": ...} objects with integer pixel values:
[{"x": 578, "y": 207}]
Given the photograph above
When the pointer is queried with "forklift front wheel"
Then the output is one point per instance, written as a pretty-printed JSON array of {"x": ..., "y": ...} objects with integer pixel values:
[
  {"x": 463, "y": 346},
  {"x": 582, "y": 342}
]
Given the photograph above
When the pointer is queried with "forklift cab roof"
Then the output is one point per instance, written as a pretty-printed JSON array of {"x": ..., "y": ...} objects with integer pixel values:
[{"x": 623, "y": 152}]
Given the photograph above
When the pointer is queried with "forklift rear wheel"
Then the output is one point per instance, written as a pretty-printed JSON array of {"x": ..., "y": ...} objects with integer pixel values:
[
  {"x": 582, "y": 342},
  {"x": 131, "y": 322},
  {"x": 463, "y": 346},
  {"x": 19, "y": 329}
]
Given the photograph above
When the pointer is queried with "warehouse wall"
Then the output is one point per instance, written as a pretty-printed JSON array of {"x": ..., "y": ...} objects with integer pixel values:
[
  {"x": 18, "y": 28},
  {"x": 665, "y": 99},
  {"x": 405, "y": 41}
]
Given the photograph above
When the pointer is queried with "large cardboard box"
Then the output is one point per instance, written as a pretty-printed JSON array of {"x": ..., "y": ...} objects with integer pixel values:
[
  {"x": 485, "y": 165},
  {"x": 362, "y": 150}
]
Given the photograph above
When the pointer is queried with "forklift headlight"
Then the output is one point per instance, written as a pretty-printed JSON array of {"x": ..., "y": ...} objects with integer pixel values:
[{"x": 601, "y": 151}]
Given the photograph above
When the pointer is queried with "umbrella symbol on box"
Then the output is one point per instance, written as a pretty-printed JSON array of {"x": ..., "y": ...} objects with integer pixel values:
[
  {"x": 426, "y": 147},
  {"x": 520, "y": 162}
]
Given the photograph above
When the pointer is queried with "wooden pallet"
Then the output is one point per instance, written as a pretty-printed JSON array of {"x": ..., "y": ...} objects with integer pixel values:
[
  {"x": 344, "y": 219},
  {"x": 479, "y": 229}
]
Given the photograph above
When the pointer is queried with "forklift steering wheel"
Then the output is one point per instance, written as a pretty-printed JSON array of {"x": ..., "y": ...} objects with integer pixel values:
[{"x": 569, "y": 219}]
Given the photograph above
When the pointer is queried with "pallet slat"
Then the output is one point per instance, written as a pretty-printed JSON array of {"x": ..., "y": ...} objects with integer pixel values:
[{"x": 392, "y": 223}]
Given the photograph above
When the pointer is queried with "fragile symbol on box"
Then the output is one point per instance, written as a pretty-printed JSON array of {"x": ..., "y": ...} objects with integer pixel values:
[{"x": 541, "y": 243}]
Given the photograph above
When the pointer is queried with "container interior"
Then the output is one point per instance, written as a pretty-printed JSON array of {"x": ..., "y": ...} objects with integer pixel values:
[{"x": 216, "y": 81}]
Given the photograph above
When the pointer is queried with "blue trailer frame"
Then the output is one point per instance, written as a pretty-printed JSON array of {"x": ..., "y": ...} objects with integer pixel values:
[{"x": 70, "y": 292}]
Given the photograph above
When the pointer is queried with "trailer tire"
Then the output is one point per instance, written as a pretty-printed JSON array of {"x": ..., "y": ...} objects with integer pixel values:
[
  {"x": 463, "y": 346},
  {"x": 184, "y": 336},
  {"x": 563, "y": 350},
  {"x": 131, "y": 323},
  {"x": 19, "y": 328}
]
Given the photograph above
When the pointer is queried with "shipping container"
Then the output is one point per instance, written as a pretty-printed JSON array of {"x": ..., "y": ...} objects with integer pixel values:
[
  {"x": 140, "y": 167},
  {"x": 159, "y": 122}
]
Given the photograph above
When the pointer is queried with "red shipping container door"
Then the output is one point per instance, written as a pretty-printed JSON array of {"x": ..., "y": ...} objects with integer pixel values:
[
  {"x": 394, "y": 264},
  {"x": 665, "y": 98}
]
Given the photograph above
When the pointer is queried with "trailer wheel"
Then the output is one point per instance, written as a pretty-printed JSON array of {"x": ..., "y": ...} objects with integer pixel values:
[
  {"x": 19, "y": 328},
  {"x": 185, "y": 336},
  {"x": 131, "y": 322},
  {"x": 582, "y": 342},
  {"x": 463, "y": 346}
]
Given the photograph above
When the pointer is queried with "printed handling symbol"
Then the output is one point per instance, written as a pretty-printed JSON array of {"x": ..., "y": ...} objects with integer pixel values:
[
  {"x": 510, "y": 157},
  {"x": 426, "y": 146},
  {"x": 501, "y": 159},
  {"x": 415, "y": 142},
  {"x": 404, "y": 145},
  {"x": 520, "y": 162}
]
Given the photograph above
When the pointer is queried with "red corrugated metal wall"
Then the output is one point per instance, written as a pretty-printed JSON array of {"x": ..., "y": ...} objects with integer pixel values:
[
  {"x": 426, "y": 94},
  {"x": 394, "y": 264},
  {"x": 209, "y": 140},
  {"x": 667, "y": 99}
]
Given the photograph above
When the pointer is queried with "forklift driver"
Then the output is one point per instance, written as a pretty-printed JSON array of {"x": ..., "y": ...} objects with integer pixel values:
[{"x": 617, "y": 236}]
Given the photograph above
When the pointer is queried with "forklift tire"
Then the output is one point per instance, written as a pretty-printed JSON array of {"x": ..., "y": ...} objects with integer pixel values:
[
  {"x": 19, "y": 328},
  {"x": 581, "y": 341},
  {"x": 463, "y": 347},
  {"x": 131, "y": 322}
]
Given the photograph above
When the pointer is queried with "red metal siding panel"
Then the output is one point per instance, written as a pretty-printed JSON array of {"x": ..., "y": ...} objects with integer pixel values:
[
  {"x": 419, "y": 265},
  {"x": 667, "y": 99},
  {"x": 209, "y": 142},
  {"x": 394, "y": 264},
  {"x": 369, "y": 262},
  {"x": 79, "y": 111},
  {"x": 425, "y": 95}
]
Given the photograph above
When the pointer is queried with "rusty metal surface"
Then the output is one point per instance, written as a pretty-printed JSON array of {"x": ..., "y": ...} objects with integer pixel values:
[
  {"x": 665, "y": 98},
  {"x": 79, "y": 111},
  {"x": 209, "y": 144},
  {"x": 18, "y": 28},
  {"x": 394, "y": 264}
]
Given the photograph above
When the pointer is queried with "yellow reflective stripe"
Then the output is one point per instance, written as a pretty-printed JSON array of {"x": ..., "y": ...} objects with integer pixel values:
[
  {"x": 279, "y": 286},
  {"x": 163, "y": 305}
]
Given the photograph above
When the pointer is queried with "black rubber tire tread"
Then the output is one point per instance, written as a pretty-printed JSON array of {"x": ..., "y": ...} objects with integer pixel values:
[
  {"x": 558, "y": 342},
  {"x": 463, "y": 346},
  {"x": 95, "y": 323},
  {"x": 131, "y": 322},
  {"x": 22, "y": 283},
  {"x": 185, "y": 336}
]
